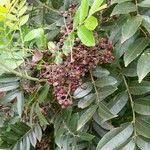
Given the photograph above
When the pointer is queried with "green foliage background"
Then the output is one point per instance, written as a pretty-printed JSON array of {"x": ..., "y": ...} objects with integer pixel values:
[{"x": 111, "y": 112}]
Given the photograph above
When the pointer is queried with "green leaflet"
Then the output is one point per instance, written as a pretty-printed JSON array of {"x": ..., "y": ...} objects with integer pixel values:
[
  {"x": 146, "y": 23},
  {"x": 144, "y": 3},
  {"x": 84, "y": 8},
  {"x": 143, "y": 65},
  {"x": 115, "y": 137},
  {"x": 91, "y": 23},
  {"x": 135, "y": 50},
  {"x": 142, "y": 106},
  {"x": 86, "y": 116},
  {"x": 124, "y": 8},
  {"x": 130, "y": 27},
  {"x": 86, "y": 36}
]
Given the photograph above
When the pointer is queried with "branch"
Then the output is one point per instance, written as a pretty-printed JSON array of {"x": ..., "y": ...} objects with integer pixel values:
[
  {"x": 6, "y": 68},
  {"x": 131, "y": 101}
]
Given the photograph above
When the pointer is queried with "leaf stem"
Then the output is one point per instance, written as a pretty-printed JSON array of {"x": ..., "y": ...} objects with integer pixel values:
[
  {"x": 131, "y": 101},
  {"x": 6, "y": 68},
  {"x": 44, "y": 5},
  {"x": 97, "y": 95}
]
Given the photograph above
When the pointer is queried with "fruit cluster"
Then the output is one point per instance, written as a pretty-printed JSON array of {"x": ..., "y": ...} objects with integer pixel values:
[{"x": 67, "y": 76}]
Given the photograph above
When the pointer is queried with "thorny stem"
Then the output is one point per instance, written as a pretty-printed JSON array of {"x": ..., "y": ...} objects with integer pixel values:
[
  {"x": 97, "y": 95},
  {"x": 6, "y": 68},
  {"x": 131, "y": 101}
]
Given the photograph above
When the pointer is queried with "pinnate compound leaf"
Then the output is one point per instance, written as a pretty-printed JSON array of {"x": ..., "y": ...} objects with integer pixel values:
[
  {"x": 143, "y": 66},
  {"x": 124, "y": 8},
  {"x": 143, "y": 143},
  {"x": 115, "y": 137},
  {"x": 142, "y": 106},
  {"x": 130, "y": 27},
  {"x": 139, "y": 89},
  {"x": 144, "y": 3},
  {"x": 86, "y": 36},
  {"x": 135, "y": 50},
  {"x": 143, "y": 127},
  {"x": 86, "y": 116},
  {"x": 91, "y": 23},
  {"x": 146, "y": 23}
]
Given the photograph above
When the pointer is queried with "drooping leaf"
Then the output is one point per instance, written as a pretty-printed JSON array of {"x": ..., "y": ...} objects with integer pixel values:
[
  {"x": 85, "y": 136},
  {"x": 142, "y": 106},
  {"x": 143, "y": 66},
  {"x": 100, "y": 72},
  {"x": 8, "y": 86},
  {"x": 86, "y": 116},
  {"x": 143, "y": 143},
  {"x": 142, "y": 127},
  {"x": 146, "y": 23},
  {"x": 86, "y": 101},
  {"x": 144, "y": 3},
  {"x": 115, "y": 137},
  {"x": 135, "y": 50},
  {"x": 105, "y": 125},
  {"x": 118, "y": 103},
  {"x": 43, "y": 92},
  {"x": 139, "y": 89},
  {"x": 105, "y": 113},
  {"x": 38, "y": 132},
  {"x": 32, "y": 138},
  {"x": 106, "y": 91},
  {"x": 35, "y": 33},
  {"x": 121, "y": 48},
  {"x": 86, "y": 36},
  {"x": 130, "y": 27},
  {"x": 20, "y": 103},
  {"x": 124, "y": 8},
  {"x": 83, "y": 90},
  {"x": 41, "y": 117},
  {"x": 105, "y": 81},
  {"x": 91, "y": 23},
  {"x": 84, "y": 8}
]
